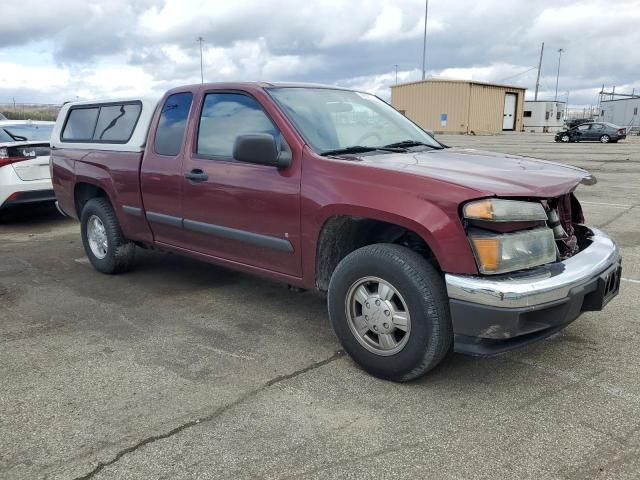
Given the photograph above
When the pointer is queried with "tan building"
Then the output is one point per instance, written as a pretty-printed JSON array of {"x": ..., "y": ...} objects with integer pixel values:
[{"x": 461, "y": 106}]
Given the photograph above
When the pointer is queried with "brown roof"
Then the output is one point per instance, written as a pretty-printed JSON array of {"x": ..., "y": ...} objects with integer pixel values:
[{"x": 447, "y": 80}]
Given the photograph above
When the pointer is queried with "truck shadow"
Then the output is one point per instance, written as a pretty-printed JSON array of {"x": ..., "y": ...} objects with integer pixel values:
[
  {"x": 220, "y": 307},
  {"x": 258, "y": 306},
  {"x": 30, "y": 215}
]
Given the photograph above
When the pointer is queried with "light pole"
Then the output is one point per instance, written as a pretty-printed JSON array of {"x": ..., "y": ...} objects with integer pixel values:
[
  {"x": 535, "y": 97},
  {"x": 424, "y": 40},
  {"x": 560, "y": 50},
  {"x": 396, "y": 65},
  {"x": 200, "y": 40}
]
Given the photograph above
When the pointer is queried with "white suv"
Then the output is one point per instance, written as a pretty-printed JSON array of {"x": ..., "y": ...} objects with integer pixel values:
[{"x": 24, "y": 163}]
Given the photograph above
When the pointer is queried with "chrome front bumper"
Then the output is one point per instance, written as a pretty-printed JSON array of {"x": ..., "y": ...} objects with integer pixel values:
[{"x": 543, "y": 285}]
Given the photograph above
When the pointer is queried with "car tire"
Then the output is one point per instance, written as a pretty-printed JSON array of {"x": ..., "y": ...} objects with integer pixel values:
[
  {"x": 418, "y": 295},
  {"x": 104, "y": 243},
  {"x": 605, "y": 138},
  {"x": 565, "y": 138}
]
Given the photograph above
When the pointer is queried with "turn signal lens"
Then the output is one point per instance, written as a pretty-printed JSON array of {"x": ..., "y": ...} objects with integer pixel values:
[
  {"x": 499, "y": 210},
  {"x": 487, "y": 250},
  {"x": 480, "y": 210}
]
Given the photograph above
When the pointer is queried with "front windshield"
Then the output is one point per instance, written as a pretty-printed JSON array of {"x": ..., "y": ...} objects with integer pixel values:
[
  {"x": 331, "y": 119},
  {"x": 33, "y": 131}
]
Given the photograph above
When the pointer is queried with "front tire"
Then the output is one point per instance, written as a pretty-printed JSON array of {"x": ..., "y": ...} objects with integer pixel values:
[
  {"x": 104, "y": 244},
  {"x": 565, "y": 138},
  {"x": 389, "y": 308}
]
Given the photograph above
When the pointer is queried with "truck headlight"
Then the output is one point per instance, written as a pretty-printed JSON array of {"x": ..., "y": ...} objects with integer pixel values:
[
  {"x": 507, "y": 252},
  {"x": 499, "y": 210}
]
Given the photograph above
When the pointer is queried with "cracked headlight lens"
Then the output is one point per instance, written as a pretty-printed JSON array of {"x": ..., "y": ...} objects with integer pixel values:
[{"x": 508, "y": 252}]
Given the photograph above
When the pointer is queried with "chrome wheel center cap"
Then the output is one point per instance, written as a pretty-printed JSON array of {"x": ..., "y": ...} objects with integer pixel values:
[{"x": 378, "y": 314}]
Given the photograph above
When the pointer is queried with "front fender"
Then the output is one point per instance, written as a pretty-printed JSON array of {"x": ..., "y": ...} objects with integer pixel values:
[{"x": 441, "y": 232}]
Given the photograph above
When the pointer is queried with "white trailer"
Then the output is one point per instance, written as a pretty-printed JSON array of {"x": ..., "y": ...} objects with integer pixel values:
[
  {"x": 624, "y": 112},
  {"x": 543, "y": 116}
]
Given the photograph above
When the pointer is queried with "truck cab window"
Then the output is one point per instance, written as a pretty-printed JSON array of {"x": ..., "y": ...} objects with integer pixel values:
[
  {"x": 173, "y": 121},
  {"x": 225, "y": 116}
]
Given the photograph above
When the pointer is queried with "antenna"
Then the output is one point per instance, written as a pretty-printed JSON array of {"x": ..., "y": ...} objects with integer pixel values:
[{"x": 200, "y": 40}]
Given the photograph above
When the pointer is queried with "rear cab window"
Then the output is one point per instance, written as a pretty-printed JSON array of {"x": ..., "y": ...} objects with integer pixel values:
[
  {"x": 172, "y": 124},
  {"x": 116, "y": 122},
  {"x": 106, "y": 123}
]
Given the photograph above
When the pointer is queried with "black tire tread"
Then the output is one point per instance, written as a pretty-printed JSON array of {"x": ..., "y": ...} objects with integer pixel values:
[
  {"x": 431, "y": 287},
  {"x": 121, "y": 256}
]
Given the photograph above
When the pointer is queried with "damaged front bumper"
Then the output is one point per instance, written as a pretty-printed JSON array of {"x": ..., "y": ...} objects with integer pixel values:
[{"x": 493, "y": 314}]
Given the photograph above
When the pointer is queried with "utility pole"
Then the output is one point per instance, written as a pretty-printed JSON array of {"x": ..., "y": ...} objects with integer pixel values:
[
  {"x": 600, "y": 99},
  {"x": 200, "y": 40},
  {"x": 560, "y": 50},
  {"x": 396, "y": 65},
  {"x": 424, "y": 41},
  {"x": 535, "y": 97}
]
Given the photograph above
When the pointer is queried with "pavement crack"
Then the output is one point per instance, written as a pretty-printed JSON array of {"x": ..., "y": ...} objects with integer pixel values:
[
  {"x": 616, "y": 217},
  {"x": 212, "y": 416}
]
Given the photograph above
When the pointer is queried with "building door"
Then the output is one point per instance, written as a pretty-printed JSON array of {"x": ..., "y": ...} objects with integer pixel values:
[{"x": 509, "y": 119}]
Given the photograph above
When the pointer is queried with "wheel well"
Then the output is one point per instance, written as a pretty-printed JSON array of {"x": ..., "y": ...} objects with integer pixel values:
[
  {"x": 341, "y": 235},
  {"x": 84, "y": 192}
]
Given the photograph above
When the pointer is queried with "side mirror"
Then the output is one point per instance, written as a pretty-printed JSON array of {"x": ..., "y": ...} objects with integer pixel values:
[{"x": 261, "y": 149}]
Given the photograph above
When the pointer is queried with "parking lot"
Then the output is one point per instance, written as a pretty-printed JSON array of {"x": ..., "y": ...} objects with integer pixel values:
[{"x": 181, "y": 369}]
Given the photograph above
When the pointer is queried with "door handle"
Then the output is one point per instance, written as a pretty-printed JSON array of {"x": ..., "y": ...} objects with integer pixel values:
[{"x": 196, "y": 175}]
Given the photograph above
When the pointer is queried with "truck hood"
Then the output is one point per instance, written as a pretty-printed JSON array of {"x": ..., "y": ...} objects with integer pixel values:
[{"x": 487, "y": 173}]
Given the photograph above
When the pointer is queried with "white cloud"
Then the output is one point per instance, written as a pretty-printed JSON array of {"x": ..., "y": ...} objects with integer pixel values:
[
  {"x": 109, "y": 47},
  {"x": 14, "y": 76}
]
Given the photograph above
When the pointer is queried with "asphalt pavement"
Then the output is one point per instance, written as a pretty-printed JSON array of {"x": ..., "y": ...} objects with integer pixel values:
[{"x": 182, "y": 370}]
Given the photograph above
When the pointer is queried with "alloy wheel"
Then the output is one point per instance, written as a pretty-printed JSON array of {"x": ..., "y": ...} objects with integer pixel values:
[
  {"x": 97, "y": 236},
  {"x": 378, "y": 316}
]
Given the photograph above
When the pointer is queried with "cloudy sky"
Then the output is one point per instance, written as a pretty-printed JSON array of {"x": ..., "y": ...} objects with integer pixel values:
[{"x": 57, "y": 50}]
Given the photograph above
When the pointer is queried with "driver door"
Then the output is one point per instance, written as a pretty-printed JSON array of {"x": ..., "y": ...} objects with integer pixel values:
[
  {"x": 582, "y": 131},
  {"x": 241, "y": 212},
  {"x": 595, "y": 131}
]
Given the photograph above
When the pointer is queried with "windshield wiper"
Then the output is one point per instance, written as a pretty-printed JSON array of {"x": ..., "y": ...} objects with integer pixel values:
[
  {"x": 16, "y": 138},
  {"x": 361, "y": 149},
  {"x": 411, "y": 143}
]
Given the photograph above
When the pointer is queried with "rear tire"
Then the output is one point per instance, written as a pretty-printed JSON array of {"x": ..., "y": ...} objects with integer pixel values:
[
  {"x": 104, "y": 244},
  {"x": 605, "y": 138},
  {"x": 407, "y": 285}
]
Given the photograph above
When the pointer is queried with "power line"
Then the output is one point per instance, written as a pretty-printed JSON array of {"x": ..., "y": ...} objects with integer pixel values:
[{"x": 517, "y": 74}]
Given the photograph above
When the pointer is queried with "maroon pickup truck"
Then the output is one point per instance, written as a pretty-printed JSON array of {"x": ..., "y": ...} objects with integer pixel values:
[{"x": 420, "y": 248}]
